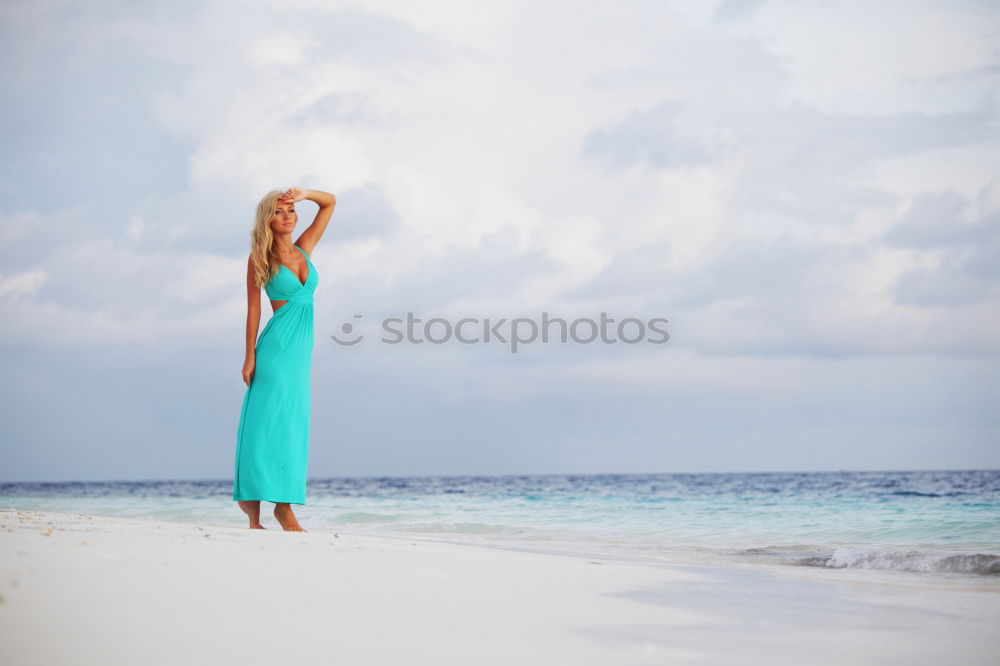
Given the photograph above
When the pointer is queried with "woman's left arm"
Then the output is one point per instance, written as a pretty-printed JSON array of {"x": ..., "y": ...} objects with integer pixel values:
[{"x": 326, "y": 202}]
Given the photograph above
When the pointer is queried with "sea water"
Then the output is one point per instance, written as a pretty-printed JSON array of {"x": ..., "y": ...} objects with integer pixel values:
[{"x": 935, "y": 523}]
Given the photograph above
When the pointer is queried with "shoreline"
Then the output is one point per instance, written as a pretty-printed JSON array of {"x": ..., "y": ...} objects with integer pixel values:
[
  {"x": 138, "y": 585},
  {"x": 862, "y": 575},
  {"x": 846, "y": 575}
]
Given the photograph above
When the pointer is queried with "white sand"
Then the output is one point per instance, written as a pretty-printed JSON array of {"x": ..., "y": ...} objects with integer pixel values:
[{"x": 80, "y": 589}]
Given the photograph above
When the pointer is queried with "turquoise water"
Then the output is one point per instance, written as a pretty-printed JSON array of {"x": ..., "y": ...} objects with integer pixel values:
[{"x": 935, "y": 522}]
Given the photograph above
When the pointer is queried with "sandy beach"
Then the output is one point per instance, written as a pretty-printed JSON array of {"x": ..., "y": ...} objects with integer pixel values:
[{"x": 82, "y": 589}]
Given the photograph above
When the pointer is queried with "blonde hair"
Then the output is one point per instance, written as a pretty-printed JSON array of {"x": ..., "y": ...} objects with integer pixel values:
[{"x": 263, "y": 257}]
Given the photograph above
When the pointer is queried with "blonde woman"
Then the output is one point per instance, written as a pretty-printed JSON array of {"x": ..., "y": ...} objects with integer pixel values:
[{"x": 272, "y": 441}]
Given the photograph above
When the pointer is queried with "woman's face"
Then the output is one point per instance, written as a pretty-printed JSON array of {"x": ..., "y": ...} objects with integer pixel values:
[{"x": 285, "y": 216}]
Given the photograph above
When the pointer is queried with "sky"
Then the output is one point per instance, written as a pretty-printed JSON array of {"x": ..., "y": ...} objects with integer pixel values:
[{"x": 808, "y": 193}]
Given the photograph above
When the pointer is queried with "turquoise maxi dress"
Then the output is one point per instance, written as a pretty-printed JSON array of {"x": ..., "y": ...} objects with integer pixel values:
[{"x": 272, "y": 441}]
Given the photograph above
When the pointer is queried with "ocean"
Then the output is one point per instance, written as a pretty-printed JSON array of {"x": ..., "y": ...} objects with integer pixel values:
[{"x": 931, "y": 523}]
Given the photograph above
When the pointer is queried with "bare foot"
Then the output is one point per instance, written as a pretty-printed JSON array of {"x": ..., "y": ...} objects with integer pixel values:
[
  {"x": 252, "y": 509},
  {"x": 286, "y": 518}
]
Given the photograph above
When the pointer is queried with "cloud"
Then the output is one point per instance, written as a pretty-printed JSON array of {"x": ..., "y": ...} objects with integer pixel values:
[
  {"x": 656, "y": 137},
  {"x": 632, "y": 272},
  {"x": 966, "y": 252},
  {"x": 946, "y": 286},
  {"x": 493, "y": 273},
  {"x": 369, "y": 100},
  {"x": 365, "y": 213},
  {"x": 807, "y": 195},
  {"x": 736, "y": 11},
  {"x": 934, "y": 219}
]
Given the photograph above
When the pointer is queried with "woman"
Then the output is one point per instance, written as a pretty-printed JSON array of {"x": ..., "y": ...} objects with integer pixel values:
[{"x": 272, "y": 441}]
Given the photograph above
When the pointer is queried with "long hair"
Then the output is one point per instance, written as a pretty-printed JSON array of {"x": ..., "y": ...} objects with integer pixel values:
[{"x": 262, "y": 254}]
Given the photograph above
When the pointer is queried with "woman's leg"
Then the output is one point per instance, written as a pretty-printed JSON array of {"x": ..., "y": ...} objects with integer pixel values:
[
  {"x": 283, "y": 512},
  {"x": 252, "y": 509}
]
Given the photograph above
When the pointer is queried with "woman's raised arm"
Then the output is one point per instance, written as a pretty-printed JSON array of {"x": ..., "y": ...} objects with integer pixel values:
[{"x": 326, "y": 202}]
